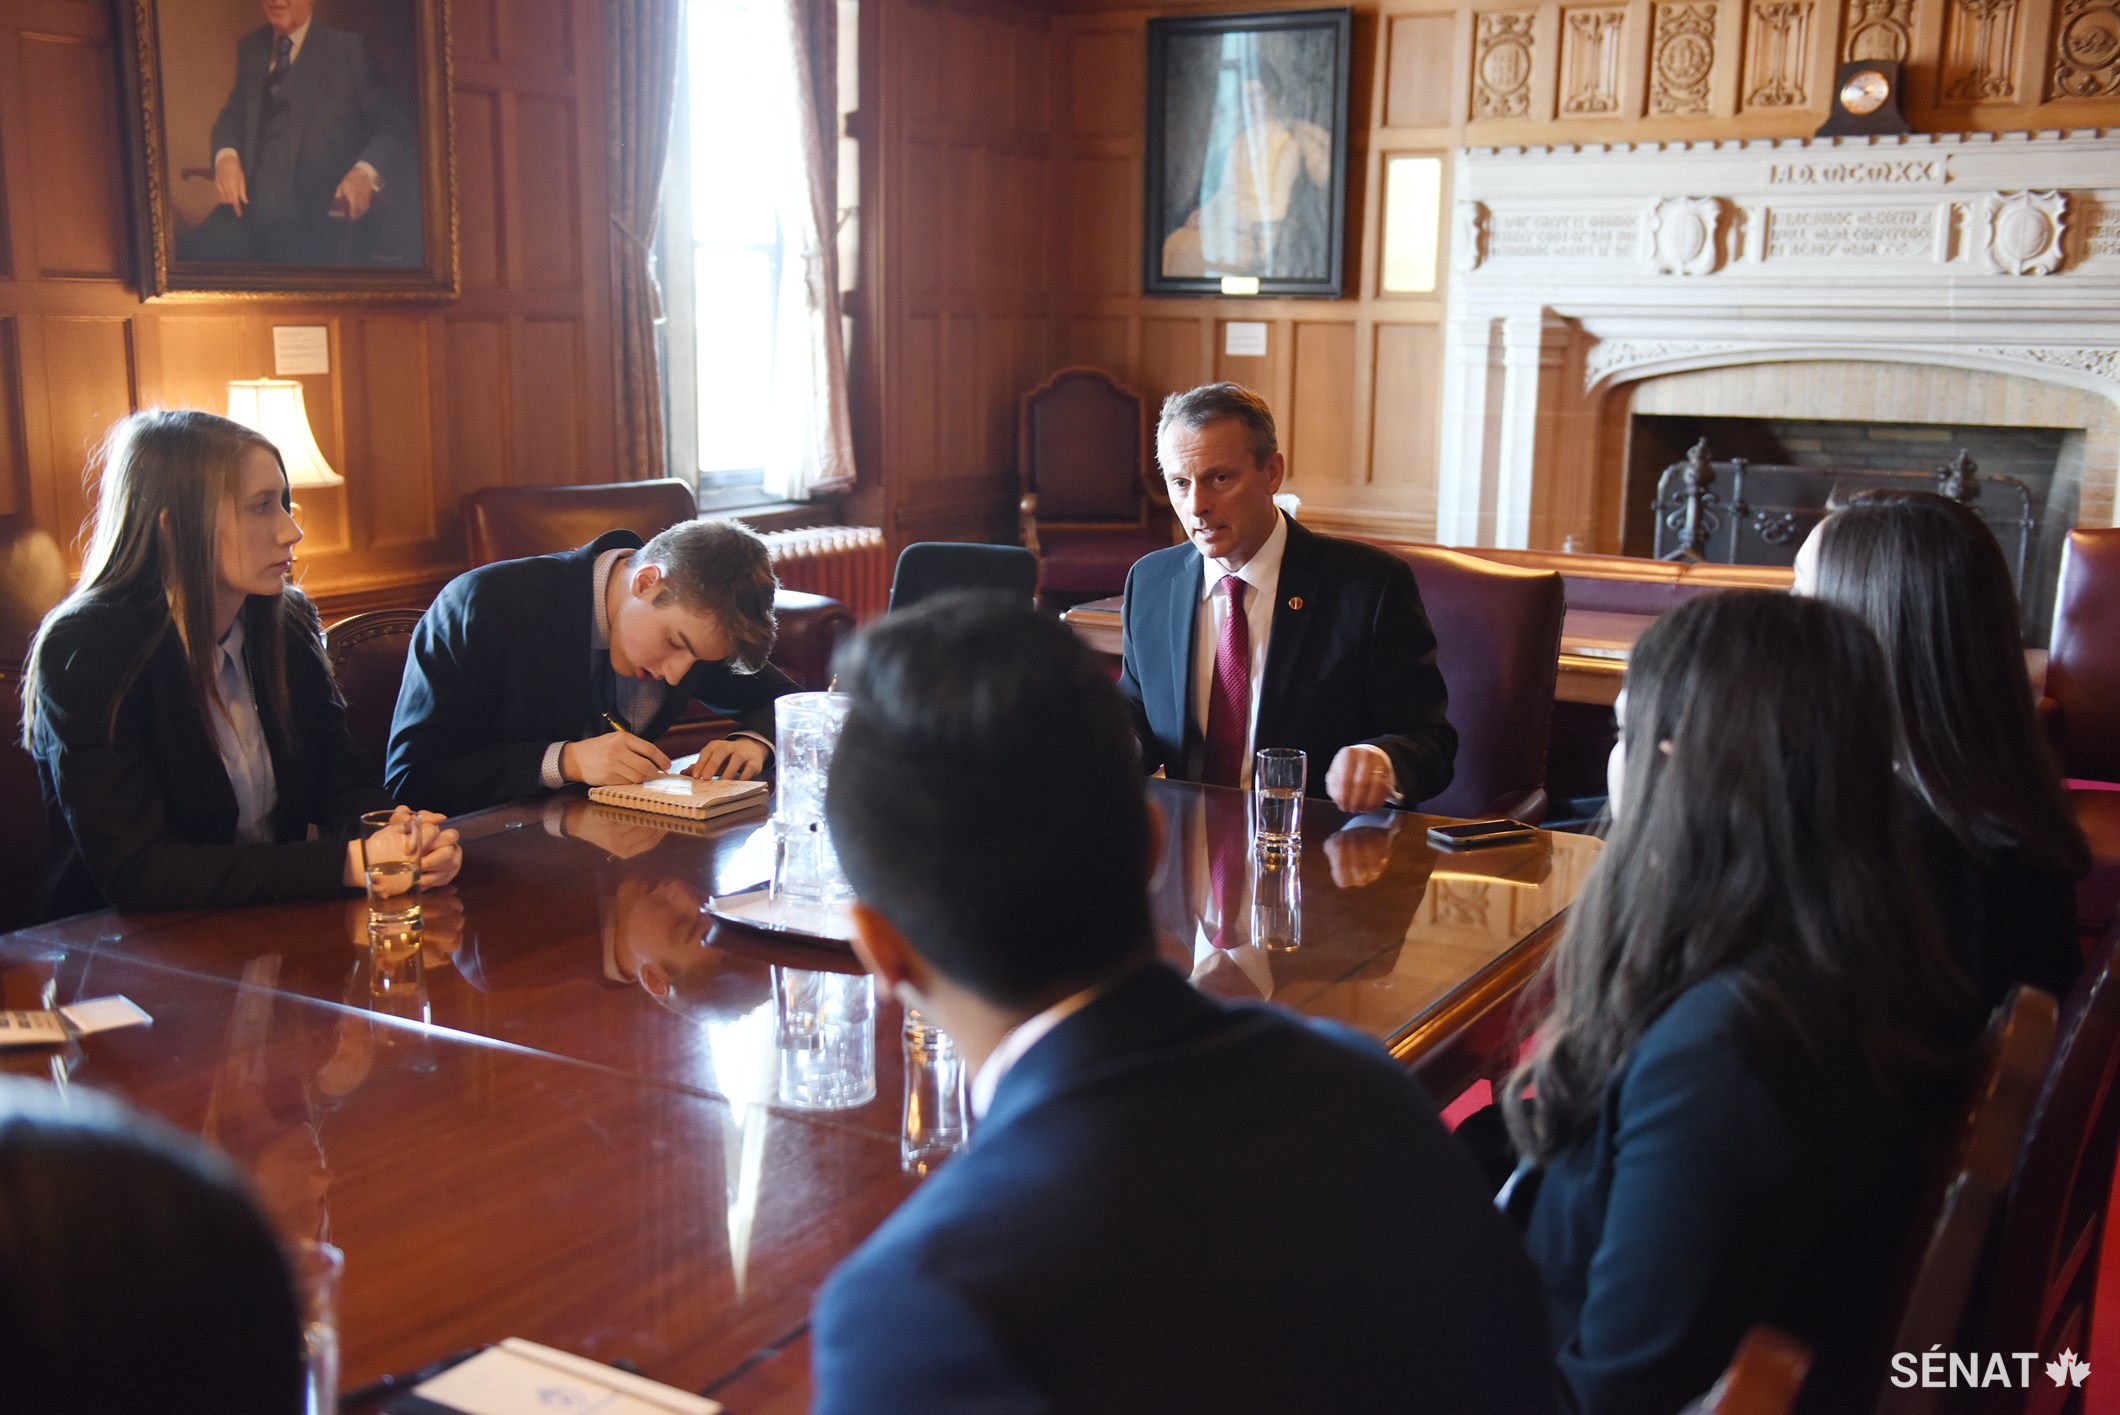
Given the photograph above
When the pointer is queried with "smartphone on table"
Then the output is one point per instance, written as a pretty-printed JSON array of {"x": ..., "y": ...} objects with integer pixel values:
[{"x": 1474, "y": 835}]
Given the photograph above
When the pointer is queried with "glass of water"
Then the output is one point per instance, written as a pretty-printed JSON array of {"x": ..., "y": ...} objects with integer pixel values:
[
  {"x": 805, "y": 867},
  {"x": 390, "y": 857},
  {"x": 937, "y": 1103},
  {"x": 1277, "y": 778}
]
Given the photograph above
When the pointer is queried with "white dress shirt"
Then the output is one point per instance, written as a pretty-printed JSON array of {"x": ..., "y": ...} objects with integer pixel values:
[
  {"x": 240, "y": 738},
  {"x": 1021, "y": 1038}
]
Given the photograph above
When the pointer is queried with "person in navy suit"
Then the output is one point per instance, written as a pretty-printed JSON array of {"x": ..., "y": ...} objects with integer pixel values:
[
  {"x": 307, "y": 139},
  {"x": 520, "y": 670},
  {"x": 1756, "y": 1031},
  {"x": 1331, "y": 651},
  {"x": 1166, "y": 1203}
]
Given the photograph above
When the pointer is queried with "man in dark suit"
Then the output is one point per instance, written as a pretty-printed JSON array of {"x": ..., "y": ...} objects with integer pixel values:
[
  {"x": 519, "y": 671},
  {"x": 1327, "y": 648},
  {"x": 305, "y": 141},
  {"x": 1166, "y": 1204}
]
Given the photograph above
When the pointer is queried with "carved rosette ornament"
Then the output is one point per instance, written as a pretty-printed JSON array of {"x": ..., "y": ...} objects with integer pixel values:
[
  {"x": 1468, "y": 242},
  {"x": 1684, "y": 235},
  {"x": 1682, "y": 57},
  {"x": 2087, "y": 49},
  {"x": 2024, "y": 231},
  {"x": 1501, "y": 65}
]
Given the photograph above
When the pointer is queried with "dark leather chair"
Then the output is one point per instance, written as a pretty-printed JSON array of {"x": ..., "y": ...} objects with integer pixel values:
[
  {"x": 33, "y": 579},
  {"x": 367, "y": 654},
  {"x": 25, "y": 829},
  {"x": 1086, "y": 511},
  {"x": 2082, "y": 711},
  {"x": 1965, "y": 1206},
  {"x": 932, "y": 567},
  {"x": 2046, "y": 1269},
  {"x": 509, "y": 522},
  {"x": 1497, "y": 635}
]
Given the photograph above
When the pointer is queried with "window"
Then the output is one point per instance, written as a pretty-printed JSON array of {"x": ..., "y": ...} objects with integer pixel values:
[{"x": 730, "y": 253}]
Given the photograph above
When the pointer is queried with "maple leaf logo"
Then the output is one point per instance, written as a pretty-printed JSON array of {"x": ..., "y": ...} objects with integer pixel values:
[{"x": 2068, "y": 1370}]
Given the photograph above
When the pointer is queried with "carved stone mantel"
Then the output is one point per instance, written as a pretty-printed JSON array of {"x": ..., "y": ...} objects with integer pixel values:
[{"x": 1621, "y": 262}]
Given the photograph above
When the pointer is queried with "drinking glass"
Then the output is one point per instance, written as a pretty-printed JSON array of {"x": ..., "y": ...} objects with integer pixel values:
[
  {"x": 1277, "y": 778},
  {"x": 826, "y": 1034},
  {"x": 317, "y": 1269},
  {"x": 937, "y": 1117},
  {"x": 390, "y": 858},
  {"x": 805, "y": 867},
  {"x": 1277, "y": 902}
]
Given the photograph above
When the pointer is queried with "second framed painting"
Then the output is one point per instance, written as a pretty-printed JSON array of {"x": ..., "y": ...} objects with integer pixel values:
[
  {"x": 1247, "y": 154},
  {"x": 292, "y": 147}
]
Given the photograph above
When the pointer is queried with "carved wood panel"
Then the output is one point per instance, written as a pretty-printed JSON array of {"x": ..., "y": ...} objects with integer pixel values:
[
  {"x": 1878, "y": 29},
  {"x": 1778, "y": 54},
  {"x": 1590, "y": 50},
  {"x": 1501, "y": 66},
  {"x": 1681, "y": 57},
  {"x": 2087, "y": 49},
  {"x": 1980, "y": 51}
]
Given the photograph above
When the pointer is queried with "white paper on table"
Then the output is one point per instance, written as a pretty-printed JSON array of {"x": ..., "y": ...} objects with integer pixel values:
[
  {"x": 102, "y": 1014},
  {"x": 519, "y": 1377}
]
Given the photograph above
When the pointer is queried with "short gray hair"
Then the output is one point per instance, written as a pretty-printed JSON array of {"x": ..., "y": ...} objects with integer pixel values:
[{"x": 1221, "y": 402}]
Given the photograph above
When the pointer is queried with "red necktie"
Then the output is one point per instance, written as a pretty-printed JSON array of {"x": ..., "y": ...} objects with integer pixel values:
[{"x": 1229, "y": 698}]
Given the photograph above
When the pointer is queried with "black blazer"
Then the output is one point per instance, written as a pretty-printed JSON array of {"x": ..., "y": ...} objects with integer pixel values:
[
  {"x": 1725, "y": 1186},
  {"x": 1354, "y": 664},
  {"x": 338, "y": 114},
  {"x": 1173, "y": 1205},
  {"x": 143, "y": 816},
  {"x": 500, "y": 670},
  {"x": 2008, "y": 921}
]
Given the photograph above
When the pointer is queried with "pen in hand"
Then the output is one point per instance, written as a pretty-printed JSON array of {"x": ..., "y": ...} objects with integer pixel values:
[{"x": 619, "y": 724}]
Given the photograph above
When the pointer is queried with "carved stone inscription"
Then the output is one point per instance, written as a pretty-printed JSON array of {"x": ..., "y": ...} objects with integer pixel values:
[
  {"x": 1501, "y": 66},
  {"x": 1878, "y": 29},
  {"x": 1682, "y": 49},
  {"x": 2103, "y": 237},
  {"x": 1562, "y": 235},
  {"x": 1980, "y": 51},
  {"x": 1875, "y": 171},
  {"x": 2087, "y": 49},
  {"x": 1814, "y": 235},
  {"x": 1777, "y": 53}
]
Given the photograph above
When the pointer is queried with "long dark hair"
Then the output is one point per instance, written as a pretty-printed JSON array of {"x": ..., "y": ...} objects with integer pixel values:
[
  {"x": 1926, "y": 575},
  {"x": 1760, "y": 834},
  {"x": 166, "y": 479},
  {"x": 135, "y": 1271}
]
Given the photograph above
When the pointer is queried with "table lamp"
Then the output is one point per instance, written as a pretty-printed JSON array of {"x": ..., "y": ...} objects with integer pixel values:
[{"x": 273, "y": 407}]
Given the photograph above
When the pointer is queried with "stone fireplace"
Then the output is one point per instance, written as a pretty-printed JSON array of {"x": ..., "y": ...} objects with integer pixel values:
[{"x": 1921, "y": 284}]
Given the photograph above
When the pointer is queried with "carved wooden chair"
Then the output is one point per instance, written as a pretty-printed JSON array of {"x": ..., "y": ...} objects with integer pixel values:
[{"x": 1087, "y": 511}]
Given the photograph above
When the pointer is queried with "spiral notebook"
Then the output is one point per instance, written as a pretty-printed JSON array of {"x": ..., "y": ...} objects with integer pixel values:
[{"x": 681, "y": 796}]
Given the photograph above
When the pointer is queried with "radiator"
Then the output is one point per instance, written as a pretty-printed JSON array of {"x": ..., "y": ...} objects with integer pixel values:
[{"x": 849, "y": 563}]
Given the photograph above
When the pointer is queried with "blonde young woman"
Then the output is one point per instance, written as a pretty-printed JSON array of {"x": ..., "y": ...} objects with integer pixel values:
[{"x": 184, "y": 721}]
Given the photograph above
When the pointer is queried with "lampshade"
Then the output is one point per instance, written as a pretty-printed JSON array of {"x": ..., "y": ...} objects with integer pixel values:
[{"x": 273, "y": 407}]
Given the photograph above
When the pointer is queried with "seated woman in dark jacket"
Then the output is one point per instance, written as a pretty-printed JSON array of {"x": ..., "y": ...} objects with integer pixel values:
[
  {"x": 1753, "y": 1038},
  {"x": 1994, "y": 838},
  {"x": 183, "y": 718}
]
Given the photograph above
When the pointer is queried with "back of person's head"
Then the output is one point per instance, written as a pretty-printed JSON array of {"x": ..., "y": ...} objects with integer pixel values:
[
  {"x": 1926, "y": 574},
  {"x": 1759, "y": 832},
  {"x": 135, "y": 1273},
  {"x": 723, "y": 569},
  {"x": 1212, "y": 403},
  {"x": 986, "y": 798},
  {"x": 164, "y": 479}
]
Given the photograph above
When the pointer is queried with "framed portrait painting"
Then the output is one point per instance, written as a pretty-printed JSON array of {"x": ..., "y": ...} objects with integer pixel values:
[
  {"x": 291, "y": 147},
  {"x": 1247, "y": 154}
]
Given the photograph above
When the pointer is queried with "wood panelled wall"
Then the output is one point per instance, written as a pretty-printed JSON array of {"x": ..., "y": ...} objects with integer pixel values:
[
  {"x": 507, "y": 384},
  {"x": 1012, "y": 191}
]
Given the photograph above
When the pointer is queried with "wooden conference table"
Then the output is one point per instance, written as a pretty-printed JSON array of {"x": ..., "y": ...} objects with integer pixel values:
[{"x": 567, "y": 1127}]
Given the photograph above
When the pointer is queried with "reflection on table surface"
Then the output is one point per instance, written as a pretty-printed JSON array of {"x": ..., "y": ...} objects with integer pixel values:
[{"x": 582, "y": 1112}]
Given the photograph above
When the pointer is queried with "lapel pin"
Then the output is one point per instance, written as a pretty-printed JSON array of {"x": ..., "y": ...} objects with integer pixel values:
[{"x": 1295, "y": 602}]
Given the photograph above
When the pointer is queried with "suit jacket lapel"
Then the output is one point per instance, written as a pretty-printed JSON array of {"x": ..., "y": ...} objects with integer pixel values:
[
  {"x": 1171, "y": 714},
  {"x": 1297, "y": 585}
]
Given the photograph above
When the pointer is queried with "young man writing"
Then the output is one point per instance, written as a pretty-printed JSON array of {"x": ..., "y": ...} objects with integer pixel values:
[{"x": 529, "y": 674}]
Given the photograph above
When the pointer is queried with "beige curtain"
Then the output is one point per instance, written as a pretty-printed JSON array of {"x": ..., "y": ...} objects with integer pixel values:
[
  {"x": 815, "y": 451},
  {"x": 641, "y": 53}
]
